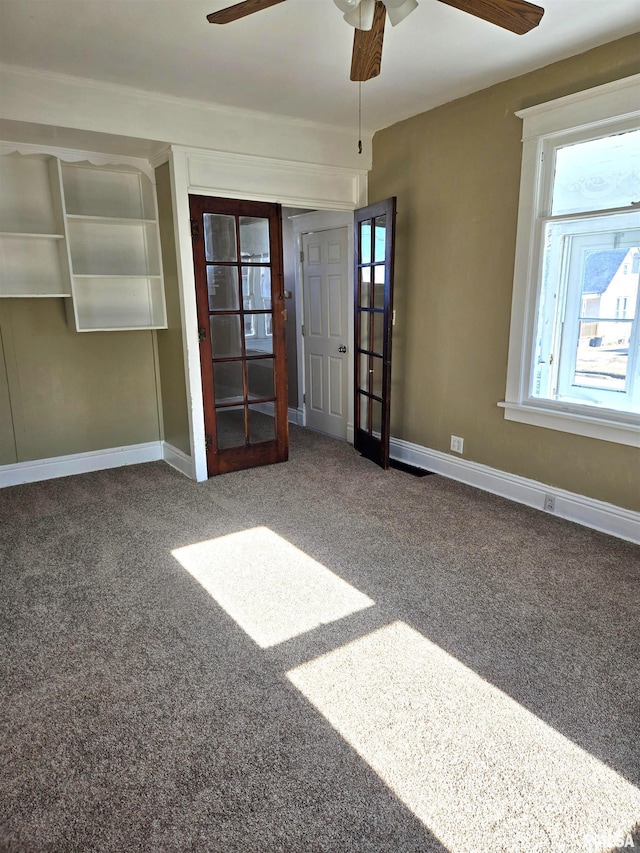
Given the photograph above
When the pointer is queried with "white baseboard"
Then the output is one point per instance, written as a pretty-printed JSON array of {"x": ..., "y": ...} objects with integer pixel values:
[
  {"x": 178, "y": 460},
  {"x": 78, "y": 463},
  {"x": 296, "y": 416},
  {"x": 589, "y": 512}
]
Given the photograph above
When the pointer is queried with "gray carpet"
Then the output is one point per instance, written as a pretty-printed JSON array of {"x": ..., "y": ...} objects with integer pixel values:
[{"x": 313, "y": 656}]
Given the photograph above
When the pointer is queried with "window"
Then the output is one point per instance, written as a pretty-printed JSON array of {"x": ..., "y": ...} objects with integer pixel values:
[{"x": 574, "y": 358}]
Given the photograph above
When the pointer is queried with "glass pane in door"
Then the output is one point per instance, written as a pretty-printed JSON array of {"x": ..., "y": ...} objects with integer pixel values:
[
  {"x": 219, "y": 237},
  {"x": 376, "y": 417},
  {"x": 225, "y": 336},
  {"x": 262, "y": 426},
  {"x": 228, "y": 382},
  {"x": 378, "y": 333},
  {"x": 380, "y": 238},
  {"x": 365, "y": 287},
  {"x": 260, "y": 378},
  {"x": 378, "y": 287},
  {"x": 222, "y": 285},
  {"x": 254, "y": 239},
  {"x": 365, "y": 421},
  {"x": 230, "y": 427},
  {"x": 365, "y": 241}
]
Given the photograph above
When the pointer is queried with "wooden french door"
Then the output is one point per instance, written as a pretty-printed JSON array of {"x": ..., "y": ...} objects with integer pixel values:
[
  {"x": 373, "y": 291},
  {"x": 237, "y": 253}
]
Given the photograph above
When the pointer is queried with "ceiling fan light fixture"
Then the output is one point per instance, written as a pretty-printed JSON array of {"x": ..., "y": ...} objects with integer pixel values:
[
  {"x": 346, "y": 6},
  {"x": 361, "y": 17},
  {"x": 357, "y": 13},
  {"x": 397, "y": 10}
]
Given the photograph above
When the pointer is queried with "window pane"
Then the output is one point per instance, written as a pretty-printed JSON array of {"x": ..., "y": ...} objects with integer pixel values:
[
  {"x": 220, "y": 237},
  {"x": 602, "y": 358},
  {"x": 364, "y": 413},
  {"x": 378, "y": 337},
  {"x": 365, "y": 287},
  {"x": 254, "y": 239},
  {"x": 381, "y": 234},
  {"x": 376, "y": 417},
  {"x": 256, "y": 338},
  {"x": 609, "y": 285},
  {"x": 260, "y": 378},
  {"x": 365, "y": 242},
  {"x": 364, "y": 372},
  {"x": 256, "y": 284},
  {"x": 376, "y": 367},
  {"x": 365, "y": 318},
  {"x": 596, "y": 175},
  {"x": 222, "y": 283},
  {"x": 230, "y": 425},
  {"x": 371, "y": 425},
  {"x": 227, "y": 381},
  {"x": 262, "y": 427},
  {"x": 378, "y": 287},
  {"x": 225, "y": 336}
]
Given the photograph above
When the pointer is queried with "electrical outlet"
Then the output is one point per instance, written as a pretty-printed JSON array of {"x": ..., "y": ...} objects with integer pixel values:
[
  {"x": 457, "y": 444},
  {"x": 549, "y": 503}
]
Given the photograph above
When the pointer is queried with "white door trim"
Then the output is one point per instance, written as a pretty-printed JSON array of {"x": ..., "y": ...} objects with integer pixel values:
[
  {"x": 306, "y": 223},
  {"x": 255, "y": 180}
]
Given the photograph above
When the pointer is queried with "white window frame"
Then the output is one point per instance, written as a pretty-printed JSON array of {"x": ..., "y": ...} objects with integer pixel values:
[{"x": 613, "y": 107}]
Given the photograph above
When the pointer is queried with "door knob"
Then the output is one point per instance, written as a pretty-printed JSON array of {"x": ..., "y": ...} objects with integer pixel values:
[{"x": 342, "y": 349}]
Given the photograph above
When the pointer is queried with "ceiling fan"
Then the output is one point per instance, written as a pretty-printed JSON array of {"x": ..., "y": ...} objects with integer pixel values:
[{"x": 368, "y": 18}]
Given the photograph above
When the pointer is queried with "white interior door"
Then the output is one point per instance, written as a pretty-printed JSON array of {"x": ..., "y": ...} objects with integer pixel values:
[{"x": 325, "y": 267}]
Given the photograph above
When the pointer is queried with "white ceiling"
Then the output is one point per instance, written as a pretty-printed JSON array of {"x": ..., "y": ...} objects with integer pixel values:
[{"x": 293, "y": 59}]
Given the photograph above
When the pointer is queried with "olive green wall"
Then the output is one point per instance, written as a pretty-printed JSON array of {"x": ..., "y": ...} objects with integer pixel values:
[
  {"x": 70, "y": 392},
  {"x": 175, "y": 415},
  {"x": 456, "y": 173}
]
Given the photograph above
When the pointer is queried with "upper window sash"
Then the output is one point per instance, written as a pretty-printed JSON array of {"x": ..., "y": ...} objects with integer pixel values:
[{"x": 549, "y": 145}]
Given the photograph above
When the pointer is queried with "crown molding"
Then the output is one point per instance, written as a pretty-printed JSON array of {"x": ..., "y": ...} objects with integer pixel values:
[{"x": 162, "y": 98}]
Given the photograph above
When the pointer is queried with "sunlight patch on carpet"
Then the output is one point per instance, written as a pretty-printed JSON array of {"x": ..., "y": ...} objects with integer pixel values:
[
  {"x": 479, "y": 770},
  {"x": 273, "y": 590}
]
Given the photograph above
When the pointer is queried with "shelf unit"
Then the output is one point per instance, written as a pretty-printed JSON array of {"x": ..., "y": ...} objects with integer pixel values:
[
  {"x": 114, "y": 249},
  {"x": 33, "y": 252},
  {"x": 85, "y": 232}
]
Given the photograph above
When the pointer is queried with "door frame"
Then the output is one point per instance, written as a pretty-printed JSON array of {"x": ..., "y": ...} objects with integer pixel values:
[
  {"x": 240, "y": 176},
  {"x": 305, "y": 223}
]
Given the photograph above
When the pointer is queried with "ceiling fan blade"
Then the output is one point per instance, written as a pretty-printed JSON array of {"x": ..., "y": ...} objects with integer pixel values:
[
  {"x": 517, "y": 16},
  {"x": 367, "y": 47},
  {"x": 240, "y": 10}
]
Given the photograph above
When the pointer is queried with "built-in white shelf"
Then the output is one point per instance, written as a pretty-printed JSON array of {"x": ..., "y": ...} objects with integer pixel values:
[
  {"x": 108, "y": 303},
  {"x": 30, "y": 236},
  {"x": 85, "y": 232},
  {"x": 107, "y": 191},
  {"x": 33, "y": 265},
  {"x": 114, "y": 220},
  {"x": 33, "y": 254}
]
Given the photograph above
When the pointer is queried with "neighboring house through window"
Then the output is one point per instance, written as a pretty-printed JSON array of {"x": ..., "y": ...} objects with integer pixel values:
[{"x": 574, "y": 357}]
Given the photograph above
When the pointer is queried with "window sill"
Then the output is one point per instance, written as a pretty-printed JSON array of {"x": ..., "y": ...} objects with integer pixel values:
[{"x": 578, "y": 423}]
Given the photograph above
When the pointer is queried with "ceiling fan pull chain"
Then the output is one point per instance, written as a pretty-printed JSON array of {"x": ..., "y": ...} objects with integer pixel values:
[{"x": 359, "y": 118}]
